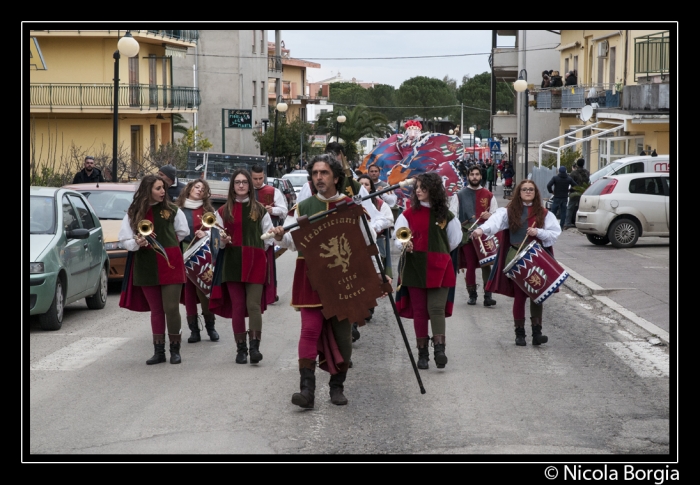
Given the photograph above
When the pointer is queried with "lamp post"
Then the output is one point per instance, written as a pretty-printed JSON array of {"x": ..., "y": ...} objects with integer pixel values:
[
  {"x": 340, "y": 119},
  {"x": 128, "y": 46},
  {"x": 521, "y": 86},
  {"x": 473, "y": 142},
  {"x": 279, "y": 108}
]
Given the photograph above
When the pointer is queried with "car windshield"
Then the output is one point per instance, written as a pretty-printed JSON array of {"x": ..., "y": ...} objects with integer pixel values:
[
  {"x": 42, "y": 215},
  {"x": 297, "y": 179},
  {"x": 109, "y": 204},
  {"x": 604, "y": 171}
]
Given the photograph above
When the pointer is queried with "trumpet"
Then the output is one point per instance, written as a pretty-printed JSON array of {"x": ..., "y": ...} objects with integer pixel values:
[
  {"x": 403, "y": 234},
  {"x": 145, "y": 229},
  {"x": 208, "y": 221}
]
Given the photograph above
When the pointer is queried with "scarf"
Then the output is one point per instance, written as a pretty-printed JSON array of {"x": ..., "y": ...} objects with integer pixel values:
[{"x": 193, "y": 204}]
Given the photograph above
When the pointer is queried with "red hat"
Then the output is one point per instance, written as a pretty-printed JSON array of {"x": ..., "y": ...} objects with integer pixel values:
[{"x": 413, "y": 124}]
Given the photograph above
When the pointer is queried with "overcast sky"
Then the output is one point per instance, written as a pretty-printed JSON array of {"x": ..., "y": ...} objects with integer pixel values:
[{"x": 356, "y": 53}]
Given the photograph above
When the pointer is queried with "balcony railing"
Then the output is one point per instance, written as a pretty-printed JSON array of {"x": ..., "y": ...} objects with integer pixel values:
[
  {"x": 274, "y": 64},
  {"x": 576, "y": 97},
  {"x": 651, "y": 55},
  {"x": 142, "y": 96},
  {"x": 184, "y": 35}
]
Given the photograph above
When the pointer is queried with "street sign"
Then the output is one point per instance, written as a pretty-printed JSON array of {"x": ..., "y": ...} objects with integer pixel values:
[
  {"x": 240, "y": 118},
  {"x": 495, "y": 146}
]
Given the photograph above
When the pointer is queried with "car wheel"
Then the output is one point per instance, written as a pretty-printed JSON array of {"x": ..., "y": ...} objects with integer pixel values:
[
  {"x": 598, "y": 240},
  {"x": 623, "y": 233},
  {"x": 99, "y": 299},
  {"x": 53, "y": 318}
]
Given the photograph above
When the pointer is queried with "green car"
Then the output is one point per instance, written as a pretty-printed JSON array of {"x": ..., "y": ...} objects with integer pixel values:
[{"x": 67, "y": 256}]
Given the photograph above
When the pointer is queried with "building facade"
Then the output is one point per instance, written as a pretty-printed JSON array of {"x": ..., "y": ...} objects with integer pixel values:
[{"x": 72, "y": 98}]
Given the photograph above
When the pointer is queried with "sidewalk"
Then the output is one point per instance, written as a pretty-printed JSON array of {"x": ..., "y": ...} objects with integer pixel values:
[{"x": 633, "y": 282}]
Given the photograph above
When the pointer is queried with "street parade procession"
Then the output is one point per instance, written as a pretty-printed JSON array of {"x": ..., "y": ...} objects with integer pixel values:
[{"x": 183, "y": 251}]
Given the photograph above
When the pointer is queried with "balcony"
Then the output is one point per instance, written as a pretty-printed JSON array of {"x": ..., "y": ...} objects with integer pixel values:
[
  {"x": 95, "y": 97},
  {"x": 505, "y": 63},
  {"x": 274, "y": 64},
  {"x": 183, "y": 35},
  {"x": 567, "y": 98},
  {"x": 651, "y": 57}
]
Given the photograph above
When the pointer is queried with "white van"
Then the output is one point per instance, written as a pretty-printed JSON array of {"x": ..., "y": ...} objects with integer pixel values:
[{"x": 644, "y": 163}]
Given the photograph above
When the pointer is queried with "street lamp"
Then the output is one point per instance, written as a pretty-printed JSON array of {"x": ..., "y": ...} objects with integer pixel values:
[
  {"x": 473, "y": 141},
  {"x": 128, "y": 46},
  {"x": 279, "y": 108},
  {"x": 521, "y": 86},
  {"x": 340, "y": 119}
]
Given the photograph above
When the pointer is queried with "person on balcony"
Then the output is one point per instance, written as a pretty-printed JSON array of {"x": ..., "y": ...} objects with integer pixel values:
[
  {"x": 556, "y": 81},
  {"x": 546, "y": 80},
  {"x": 571, "y": 79}
]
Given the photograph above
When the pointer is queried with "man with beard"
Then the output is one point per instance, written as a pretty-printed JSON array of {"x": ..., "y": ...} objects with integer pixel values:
[
  {"x": 471, "y": 204},
  {"x": 89, "y": 174}
]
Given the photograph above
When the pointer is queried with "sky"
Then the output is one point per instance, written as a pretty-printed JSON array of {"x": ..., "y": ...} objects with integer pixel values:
[{"x": 356, "y": 53}]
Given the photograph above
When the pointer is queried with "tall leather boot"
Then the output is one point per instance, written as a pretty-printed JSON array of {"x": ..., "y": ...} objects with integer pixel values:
[
  {"x": 209, "y": 325},
  {"x": 423, "y": 354},
  {"x": 520, "y": 332},
  {"x": 254, "y": 342},
  {"x": 439, "y": 351},
  {"x": 307, "y": 384},
  {"x": 175, "y": 340},
  {"x": 242, "y": 348},
  {"x": 159, "y": 347},
  {"x": 537, "y": 337},
  {"x": 336, "y": 385},
  {"x": 355, "y": 332},
  {"x": 193, "y": 324},
  {"x": 471, "y": 289},
  {"x": 488, "y": 301}
]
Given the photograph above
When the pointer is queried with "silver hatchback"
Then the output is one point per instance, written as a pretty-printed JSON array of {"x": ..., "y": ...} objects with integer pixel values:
[{"x": 620, "y": 209}]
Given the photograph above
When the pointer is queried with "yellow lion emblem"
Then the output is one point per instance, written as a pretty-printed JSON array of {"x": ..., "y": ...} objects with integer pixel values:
[{"x": 338, "y": 249}]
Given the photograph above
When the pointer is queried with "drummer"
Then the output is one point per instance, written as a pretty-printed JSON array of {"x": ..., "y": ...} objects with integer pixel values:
[
  {"x": 194, "y": 201},
  {"x": 473, "y": 205},
  {"x": 523, "y": 220}
]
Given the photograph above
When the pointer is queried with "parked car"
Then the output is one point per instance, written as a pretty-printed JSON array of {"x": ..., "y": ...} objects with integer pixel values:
[
  {"x": 297, "y": 179},
  {"x": 67, "y": 257},
  {"x": 285, "y": 186},
  {"x": 643, "y": 163},
  {"x": 110, "y": 202},
  {"x": 620, "y": 209}
]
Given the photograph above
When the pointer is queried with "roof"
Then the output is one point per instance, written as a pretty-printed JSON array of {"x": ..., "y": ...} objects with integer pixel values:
[{"x": 126, "y": 187}]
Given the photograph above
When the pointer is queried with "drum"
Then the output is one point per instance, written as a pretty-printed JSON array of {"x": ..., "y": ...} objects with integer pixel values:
[
  {"x": 199, "y": 265},
  {"x": 486, "y": 249},
  {"x": 536, "y": 272}
]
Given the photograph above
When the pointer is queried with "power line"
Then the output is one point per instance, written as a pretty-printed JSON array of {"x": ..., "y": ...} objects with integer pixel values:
[{"x": 412, "y": 107}]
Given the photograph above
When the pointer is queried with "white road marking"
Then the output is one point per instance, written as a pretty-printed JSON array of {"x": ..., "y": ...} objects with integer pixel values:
[
  {"x": 605, "y": 319},
  {"x": 78, "y": 354},
  {"x": 586, "y": 306},
  {"x": 643, "y": 358}
]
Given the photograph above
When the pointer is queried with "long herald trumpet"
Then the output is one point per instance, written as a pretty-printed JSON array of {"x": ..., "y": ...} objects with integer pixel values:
[
  {"x": 403, "y": 235},
  {"x": 357, "y": 200},
  {"x": 145, "y": 229}
]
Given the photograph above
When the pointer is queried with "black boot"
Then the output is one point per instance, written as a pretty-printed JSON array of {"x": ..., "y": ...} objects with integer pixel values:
[
  {"x": 193, "y": 324},
  {"x": 488, "y": 301},
  {"x": 242, "y": 348},
  {"x": 209, "y": 325},
  {"x": 254, "y": 341},
  {"x": 439, "y": 351},
  {"x": 537, "y": 337},
  {"x": 175, "y": 340},
  {"x": 159, "y": 347},
  {"x": 355, "y": 332},
  {"x": 307, "y": 384},
  {"x": 471, "y": 289},
  {"x": 336, "y": 385},
  {"x": 520, "y": 332},
  {"x": 423, "y": 354}
]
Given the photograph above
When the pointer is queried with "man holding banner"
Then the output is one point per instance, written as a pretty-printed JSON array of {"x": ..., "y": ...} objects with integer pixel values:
[{"x": 335, "y": 282}]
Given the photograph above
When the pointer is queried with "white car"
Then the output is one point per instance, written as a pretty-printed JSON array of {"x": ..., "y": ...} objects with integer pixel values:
[
  {"x": 620, "y": 209},
  {"x": 298, "y": 179}
]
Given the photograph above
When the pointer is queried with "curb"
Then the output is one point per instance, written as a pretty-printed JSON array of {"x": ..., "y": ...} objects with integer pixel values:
[{"x": 598, "y": 292}]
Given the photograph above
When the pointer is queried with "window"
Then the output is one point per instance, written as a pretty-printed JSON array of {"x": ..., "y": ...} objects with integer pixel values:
[
  {"x": 255, "y": 91},
  {"x": 611, "y": 67},
  {"x": 83, "y": 212},
  {"x": 576, "y": 65},
  {"x": 262, "y": 42},
  {"x": 566, "y": 66},
  {"x": 153, "y": 138},
  {"x": 70, "y": 220},
  {"x": 253, "y": 32},
  {"x": 262, "y": 93}
]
